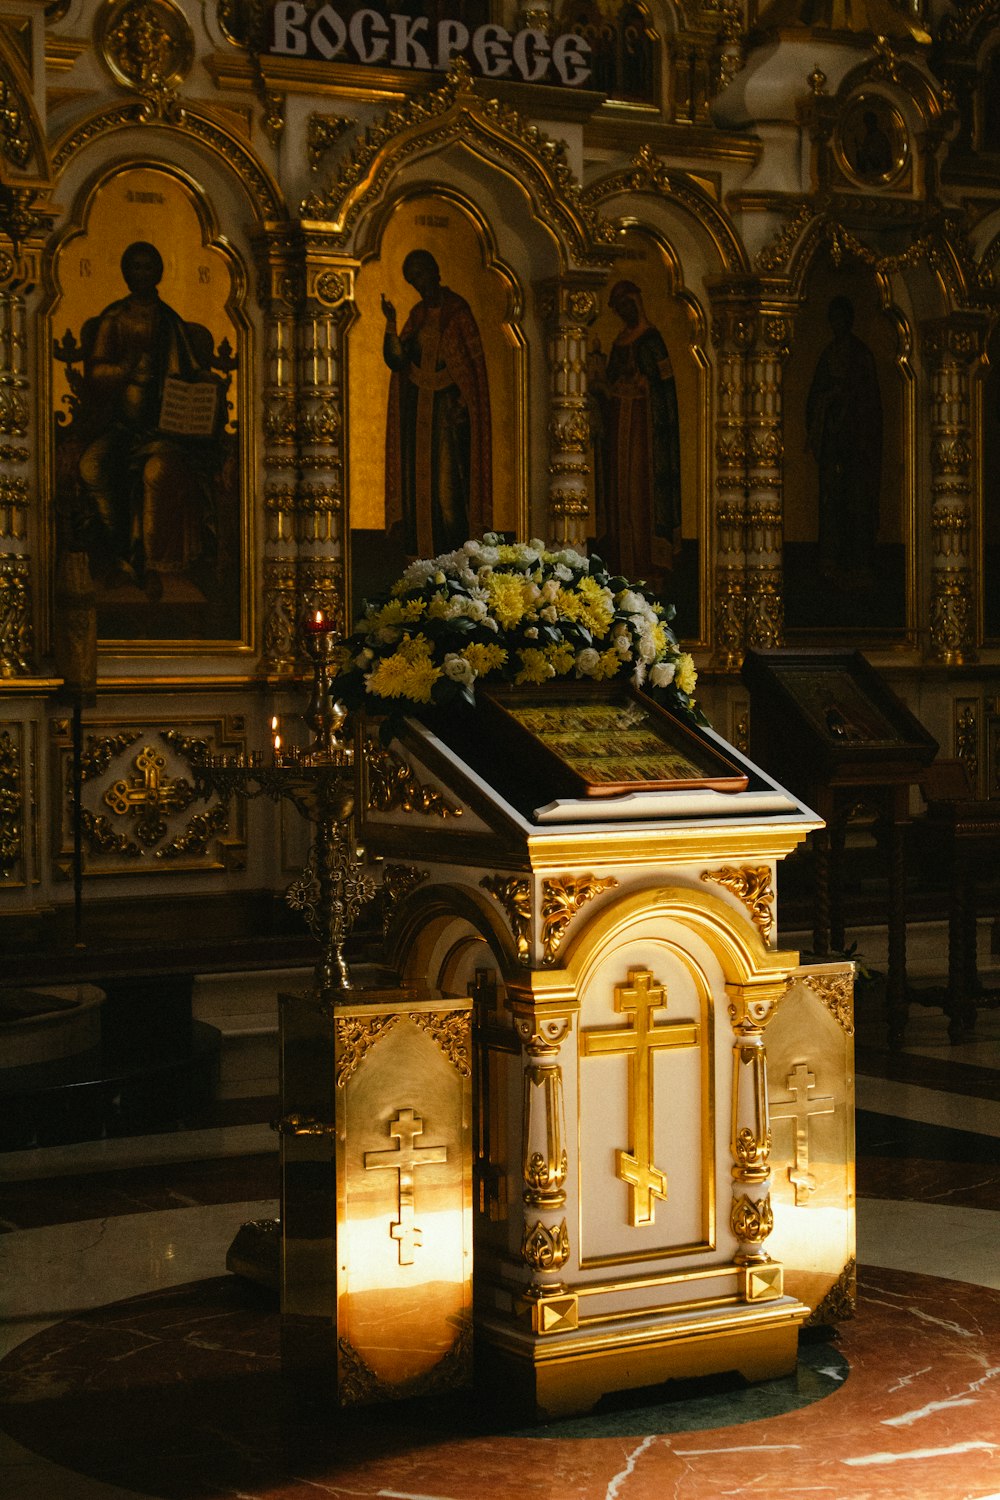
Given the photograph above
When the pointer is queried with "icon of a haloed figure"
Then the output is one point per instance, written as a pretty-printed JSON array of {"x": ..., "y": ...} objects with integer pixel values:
[
  {"x": 150, "y": 412},
  {"x": 844, "y": 434},
  {"x": 637, "y": 445},
  {"x": 439, "y": 487}
]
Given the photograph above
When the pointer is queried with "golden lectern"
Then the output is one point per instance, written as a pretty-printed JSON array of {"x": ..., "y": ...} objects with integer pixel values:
[{"x": 658, "y": 1190}]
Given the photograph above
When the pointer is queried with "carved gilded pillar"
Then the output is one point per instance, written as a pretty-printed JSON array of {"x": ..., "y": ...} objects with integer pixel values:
[
  {"x": 329, "y": 307},
  {"x": 545, "y": 1244},
  {"x": 567, "y": 307},
  {"x": 752, "y": 1218},
  {"x": 732, "y": 333},
  {"x": 765, "y": 451},
  {"x": 951, "y": 346},
  {"x": 279, "y": 296},
  {"x": 16, "y": 443}
]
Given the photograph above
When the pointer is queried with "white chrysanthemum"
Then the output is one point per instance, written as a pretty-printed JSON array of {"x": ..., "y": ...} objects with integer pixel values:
[
  {"x": 532, "y": 633},
  {"x": 563, "y": 573},
  {"x": 549, "y": 613}
]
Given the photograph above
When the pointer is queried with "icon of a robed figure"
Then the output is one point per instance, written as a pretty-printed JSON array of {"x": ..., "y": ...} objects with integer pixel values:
[
  {"x": 439, "y": 486},
  {"x": 844, "y": 434},
  {"x": 148, "y": 414},
  {"x": 637, "y": 445}
]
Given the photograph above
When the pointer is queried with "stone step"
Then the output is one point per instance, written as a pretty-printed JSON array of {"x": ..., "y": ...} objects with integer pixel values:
[{"x": 244, "y": 1009}]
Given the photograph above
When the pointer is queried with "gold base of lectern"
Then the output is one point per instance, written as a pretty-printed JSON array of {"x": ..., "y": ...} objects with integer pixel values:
[{"x": 566, "y": 1376}]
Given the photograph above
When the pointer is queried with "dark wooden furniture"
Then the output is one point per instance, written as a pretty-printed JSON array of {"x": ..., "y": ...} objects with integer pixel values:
[
  {"x": 826, "y": 725},
  {"x": 959, "y": 836}
]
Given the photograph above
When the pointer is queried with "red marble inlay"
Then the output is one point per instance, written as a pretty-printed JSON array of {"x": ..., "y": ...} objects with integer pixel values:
[{"x": 180, "y": 1395}]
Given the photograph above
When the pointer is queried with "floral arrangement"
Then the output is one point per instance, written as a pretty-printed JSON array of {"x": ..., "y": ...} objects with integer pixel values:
[{"x": 509, "y": 612}]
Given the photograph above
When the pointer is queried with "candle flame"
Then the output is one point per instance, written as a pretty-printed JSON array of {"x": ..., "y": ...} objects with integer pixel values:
[{"x": 274, "y": 723}]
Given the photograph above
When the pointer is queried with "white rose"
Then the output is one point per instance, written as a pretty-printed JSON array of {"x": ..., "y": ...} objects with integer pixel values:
[
  {"x": 661, "y": 673},
  {"x": 532, "y": 633},
  {"x": 586, "y": 662},
  {"x": 458, "y": 669}
]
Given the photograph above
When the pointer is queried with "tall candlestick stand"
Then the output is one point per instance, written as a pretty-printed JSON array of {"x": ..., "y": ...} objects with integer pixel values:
[{"x": 320, "y": 782}]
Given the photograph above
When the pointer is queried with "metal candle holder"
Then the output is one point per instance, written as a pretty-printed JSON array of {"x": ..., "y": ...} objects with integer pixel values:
[{"x": 321, "y": 783}]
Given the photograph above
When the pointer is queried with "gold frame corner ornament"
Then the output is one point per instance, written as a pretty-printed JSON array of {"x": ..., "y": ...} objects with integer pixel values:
[{"x": 752, "y": 885}]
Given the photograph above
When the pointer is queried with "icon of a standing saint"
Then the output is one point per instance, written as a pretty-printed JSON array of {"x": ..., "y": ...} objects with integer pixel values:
[{"x": 438, "y": 435}]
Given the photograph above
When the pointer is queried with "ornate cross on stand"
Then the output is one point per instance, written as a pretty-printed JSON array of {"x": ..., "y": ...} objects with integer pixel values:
[
  {"x": 404, "y": 1159},
  {"x": 638, "y": 999}
]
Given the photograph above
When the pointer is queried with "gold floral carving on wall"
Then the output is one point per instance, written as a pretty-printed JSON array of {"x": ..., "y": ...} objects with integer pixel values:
[
  {"x": 139, "y": 811},
  {"x": 751, "y": 885}
]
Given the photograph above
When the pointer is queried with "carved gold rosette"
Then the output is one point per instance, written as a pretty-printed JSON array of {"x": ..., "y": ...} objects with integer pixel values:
[{"x": 355, "y": 1039}]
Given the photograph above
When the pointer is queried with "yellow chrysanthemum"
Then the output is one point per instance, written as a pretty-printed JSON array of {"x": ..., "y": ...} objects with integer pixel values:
[
  {"x": 589, "y": 604},
  {"x": 484, "y": 658},
  {"x": 535, "y": 665},
  {"x": 396, "y": 614},
  {"x": 507, "y": 599},
  {"x": 562, "y": 657},
  {"x": 608, "y": 665},
  {"x": 686, "y": 675}
]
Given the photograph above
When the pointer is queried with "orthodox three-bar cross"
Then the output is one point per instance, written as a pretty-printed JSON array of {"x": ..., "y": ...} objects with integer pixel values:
[
  {"x": 639, "y": 999},
  {"x": 404, "y": 1159}
]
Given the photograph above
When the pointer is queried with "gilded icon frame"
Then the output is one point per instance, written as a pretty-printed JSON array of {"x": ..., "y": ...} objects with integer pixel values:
[{"x": 208, "y": 604}]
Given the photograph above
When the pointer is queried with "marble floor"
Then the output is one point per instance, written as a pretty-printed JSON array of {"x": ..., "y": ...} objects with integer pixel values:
[{"x": 132, "y": 1365}]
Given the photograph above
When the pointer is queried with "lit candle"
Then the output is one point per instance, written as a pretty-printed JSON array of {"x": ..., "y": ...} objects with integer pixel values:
[
  {"x": 277, "y": 743},
  {"x": 318, "y": 623}
]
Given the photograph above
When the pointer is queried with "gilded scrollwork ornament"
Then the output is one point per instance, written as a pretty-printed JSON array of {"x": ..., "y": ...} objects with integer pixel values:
[
  {"x": 514, "y": 894},
  {"x": 545, "y": 1247},
  {"x": 751, "y": 885},
  {"x": 752, "y": 1219},
  {"x": 10, "y": 805},
  {"x": 837, "y": 993},
  {"x": 149, "y": 46},
  {"x": 451, "y": 1033},
  {"x": 322, "y": 133},
  {"x": 355, "y": 1037},
  {"x": 15, "y": 617},
  {"x": 397, "y": 883},
  {"x": 562, "y": 897},
  {"x": 393, "y": 785},
  {"x": 841, "y": 1301}
]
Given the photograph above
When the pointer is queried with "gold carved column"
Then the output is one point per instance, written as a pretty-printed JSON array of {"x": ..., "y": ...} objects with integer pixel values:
[
  {"x": 567, "y": 306},
  {"x": 18, "y": 442},
  {"x": 752, "y": 1218},
  {"x": 765, "y": 451},
  {"x": 545, "y": 1243},
  {"x": 328, "y": 309},
  {"x": 951, "y": 347},
  {"x": 280, "y": 282},
  {"x": 732, "y": 333}
]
